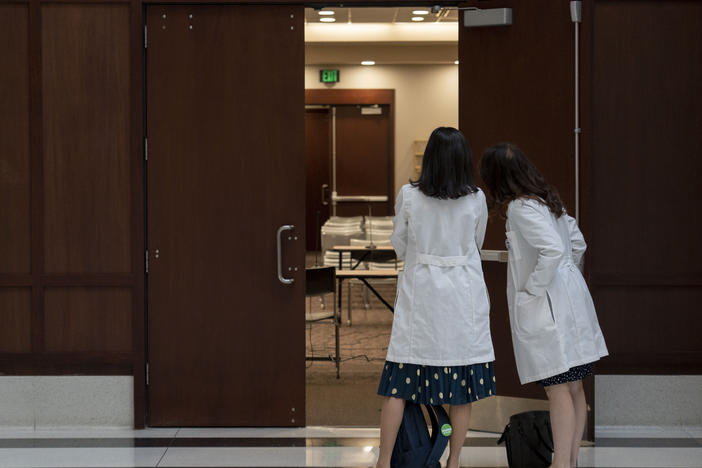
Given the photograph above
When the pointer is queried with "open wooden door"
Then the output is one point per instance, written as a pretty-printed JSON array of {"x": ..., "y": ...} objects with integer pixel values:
[
  {"x": 516, "y": 84},
  {"x": 225, "y": 127}
]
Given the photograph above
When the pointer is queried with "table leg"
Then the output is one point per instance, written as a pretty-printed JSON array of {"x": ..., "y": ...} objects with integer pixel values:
[
  {"x": 348, "y": 303},
  {"x": 392, "y": 309}
]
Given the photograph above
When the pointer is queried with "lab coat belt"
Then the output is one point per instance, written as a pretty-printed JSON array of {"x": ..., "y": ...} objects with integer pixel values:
[{"x": 437, "y": 260}]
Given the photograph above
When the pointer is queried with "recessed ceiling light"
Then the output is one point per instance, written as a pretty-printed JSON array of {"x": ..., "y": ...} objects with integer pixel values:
[
  {"x": 420, "y": 12},
  {"x": 327, "y": 19},
  {"x": 456, "y": 62},
  {"x": 368, "y": 62},
  {"x": 417, "y": 18},
  {"x": 325, "y": 12}
]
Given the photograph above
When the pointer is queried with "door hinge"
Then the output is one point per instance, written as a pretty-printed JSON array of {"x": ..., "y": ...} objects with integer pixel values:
[
  {"x": 146, "y": 149},
  {"x": 146, "y": 35},
  {"x": 147, "y": 374},
  {"x": 147, "y": 261}
]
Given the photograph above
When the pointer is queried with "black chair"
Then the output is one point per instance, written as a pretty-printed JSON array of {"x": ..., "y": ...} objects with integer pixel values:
[{"x": 322, "y": 281}]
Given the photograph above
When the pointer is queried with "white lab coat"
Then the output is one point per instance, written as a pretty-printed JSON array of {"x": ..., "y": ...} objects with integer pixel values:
[
  {"x": 552, "y": 316},
  {"x": 442, "y": 309}
]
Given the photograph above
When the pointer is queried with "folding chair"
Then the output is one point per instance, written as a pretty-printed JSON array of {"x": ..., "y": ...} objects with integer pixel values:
[{"x": 320, "y": 282}]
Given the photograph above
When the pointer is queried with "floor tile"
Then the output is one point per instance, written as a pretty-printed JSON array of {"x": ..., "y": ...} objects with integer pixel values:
[
  {"x": 233, "y": 456},
  {"x": 67, "y": 433},
  {"x": 640, "y": 457},
  {"x": 80, "y": 457}
]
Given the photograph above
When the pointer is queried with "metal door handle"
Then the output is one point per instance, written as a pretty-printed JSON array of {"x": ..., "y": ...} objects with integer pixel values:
[
  {"x": 324, "y": 187},
  {"x": 281, "y": 229}
]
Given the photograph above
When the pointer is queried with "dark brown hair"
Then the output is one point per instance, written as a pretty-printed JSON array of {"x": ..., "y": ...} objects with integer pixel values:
[
  {"x": 509, "y": 175},
  {"x": 447, "y": 166}
]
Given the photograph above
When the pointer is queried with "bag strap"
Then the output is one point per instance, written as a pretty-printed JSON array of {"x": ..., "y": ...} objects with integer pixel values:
[{"x": 438, "y": 440}]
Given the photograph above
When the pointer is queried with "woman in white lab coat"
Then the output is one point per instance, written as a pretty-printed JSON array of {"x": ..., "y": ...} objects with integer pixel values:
[
  {"x": 440, "y": 348},
  {"x": 555, "y": 333}
]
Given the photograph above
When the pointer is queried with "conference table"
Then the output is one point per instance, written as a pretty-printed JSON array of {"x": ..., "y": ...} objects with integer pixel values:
[{"x": 364, "y": 275}]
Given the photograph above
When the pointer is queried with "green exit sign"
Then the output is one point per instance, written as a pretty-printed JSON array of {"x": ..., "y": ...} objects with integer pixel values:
[{"x": 329, "y": 76}]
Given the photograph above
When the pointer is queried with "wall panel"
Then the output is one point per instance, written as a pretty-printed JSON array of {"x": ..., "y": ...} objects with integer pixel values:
[
  {"x": 86, "y": 108},
  {"x": 14, "y": 140},
  {"x": 88, "y": 320},
  {"x": 645, "y": 252},
  {"x": 15, "y": 320}
]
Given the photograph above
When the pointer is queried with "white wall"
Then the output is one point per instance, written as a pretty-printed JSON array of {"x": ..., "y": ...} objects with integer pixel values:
[
  {"x": 42, "y": 402},
  {"x": 426, "y": 97},
  {"x": 648, "y": 400}
]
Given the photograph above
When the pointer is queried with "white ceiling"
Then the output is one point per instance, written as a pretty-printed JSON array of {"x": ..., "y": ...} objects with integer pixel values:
[
  {"x": 380, "y": 15},
  {"x": 384, "y": 35}
]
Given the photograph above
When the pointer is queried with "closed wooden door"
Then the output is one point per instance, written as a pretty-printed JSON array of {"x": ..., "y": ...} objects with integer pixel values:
[
  {"x": 318, "y": 141},
  {"x": 225, "y": 127},
  {"x": 364, "y": 159}
]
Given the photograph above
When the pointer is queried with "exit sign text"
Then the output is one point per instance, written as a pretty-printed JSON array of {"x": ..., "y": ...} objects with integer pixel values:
[{"x": 329, "y": 76}]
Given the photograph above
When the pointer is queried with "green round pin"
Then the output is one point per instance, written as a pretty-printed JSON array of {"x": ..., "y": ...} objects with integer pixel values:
[{"x": 446, "y": 430}]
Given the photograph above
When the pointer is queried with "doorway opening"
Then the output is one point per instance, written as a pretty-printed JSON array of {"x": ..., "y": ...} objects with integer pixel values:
[{"x": 377, "y": 81}]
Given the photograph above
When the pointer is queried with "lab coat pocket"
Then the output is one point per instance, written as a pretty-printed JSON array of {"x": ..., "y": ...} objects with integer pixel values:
[
  {"x": 512, "y": 244},
  {"x": 533, "y": 314}
]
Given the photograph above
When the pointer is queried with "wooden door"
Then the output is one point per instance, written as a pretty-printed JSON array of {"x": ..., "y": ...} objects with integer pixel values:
[
  {"x": 318, "y": 140},
  {"x": 516, "y": 84},
  {"x": 364, "y": 159},
  {"x": 225, "y": 97}
]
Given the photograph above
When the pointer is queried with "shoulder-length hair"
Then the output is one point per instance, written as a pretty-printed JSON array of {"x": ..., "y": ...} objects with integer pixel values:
[
  {"x": 447, "y": 166},
  {"x": 509, "y": 175}
]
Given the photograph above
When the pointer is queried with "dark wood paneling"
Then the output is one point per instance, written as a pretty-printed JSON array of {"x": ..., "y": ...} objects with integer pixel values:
[
  {"x": 88, "y": 320},
  {"x": 14, "y": 139},
  {"x": 320, "y": 3},
  {"x": 516, "y": 84},
  {"x": 138, "y": 246},
  {"x": 225, "y": 123},
  {"x": 15, "y": 320},
  {"x": 82, "y": 363},
  {"x": 644, "y": 235},
  {"x": 36, "y": 133},
  {"x": 350, "y": 96},
  {"x": 86, "y": 107}
]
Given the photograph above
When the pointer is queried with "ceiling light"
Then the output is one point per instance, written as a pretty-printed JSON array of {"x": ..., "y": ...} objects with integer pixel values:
[
  {"x": 420, "y": 12},
  {"x": 325, "y": 12},
  {"x": 417, "y": 18},
  {"x": 327, "y": 19},
  {"x": 368, "y": 62},
  {"x": 456, "y": 62}
]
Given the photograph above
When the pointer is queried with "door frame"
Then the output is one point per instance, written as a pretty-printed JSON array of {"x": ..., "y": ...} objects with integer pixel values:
[
  {"x": 312, "y": 96},
  {"x": 362, "y": 97}
]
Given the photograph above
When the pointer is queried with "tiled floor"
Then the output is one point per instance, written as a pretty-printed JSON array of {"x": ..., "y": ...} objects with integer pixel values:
[{"x": 313, "y": 446}]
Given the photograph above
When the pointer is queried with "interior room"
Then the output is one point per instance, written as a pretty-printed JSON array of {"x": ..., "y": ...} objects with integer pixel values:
[{"x": 378, "y": 81}]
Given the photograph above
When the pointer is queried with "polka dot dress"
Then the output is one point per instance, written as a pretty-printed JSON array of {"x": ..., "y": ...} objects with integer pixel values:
[
  {"x": 571, "y": 375},
  {"x": 437, "y": 385}
]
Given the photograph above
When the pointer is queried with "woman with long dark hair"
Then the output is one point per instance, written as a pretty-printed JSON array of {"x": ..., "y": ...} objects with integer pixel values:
[
  {"x": 555, "y": 332},
  {"x": 440, "y": 348}
]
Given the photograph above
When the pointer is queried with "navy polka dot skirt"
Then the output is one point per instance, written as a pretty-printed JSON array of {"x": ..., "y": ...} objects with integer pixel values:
[
  {"x": 436, "y": 385},
  {"x": 571, "y": 375}
]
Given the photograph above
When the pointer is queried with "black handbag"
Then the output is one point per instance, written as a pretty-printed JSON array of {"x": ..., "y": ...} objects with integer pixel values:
[
  {"x": 414, "y": 447},
  {"x": 528, "y": 440}
]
